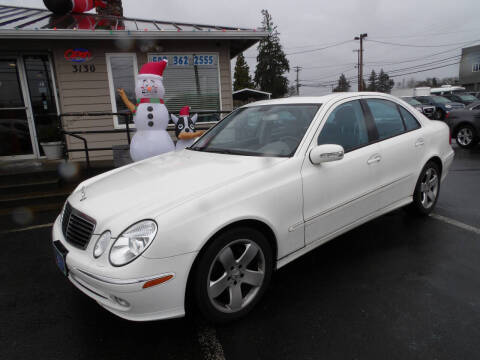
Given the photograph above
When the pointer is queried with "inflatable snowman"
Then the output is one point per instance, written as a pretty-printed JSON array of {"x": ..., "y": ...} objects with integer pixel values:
[
  {"x": 185, "y": 128},
  {"x": 150, "y": 114}
]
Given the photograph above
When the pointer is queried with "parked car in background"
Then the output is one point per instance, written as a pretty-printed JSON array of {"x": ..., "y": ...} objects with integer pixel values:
[
  {"x": 473, "y": 106},
  {"x": 465, "y": 126},
  {"x": 463, "y": 98},
  {"x": 442, "y": 105},
  {"x": 269, "y": 183},
  {"x": 474, "y": 93},
  {"x": 426, "y": 110}
]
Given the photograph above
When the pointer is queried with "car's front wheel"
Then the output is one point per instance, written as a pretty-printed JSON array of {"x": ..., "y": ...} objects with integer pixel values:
[
  {"x": 232, "y": 274},
  {"x": 466, "y": 136},
  {"x": 427, "y": 189}
]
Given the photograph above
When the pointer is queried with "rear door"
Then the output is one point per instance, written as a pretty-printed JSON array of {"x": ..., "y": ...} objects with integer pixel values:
[
  {"x": 401, "y": 146},
  {"x": 340, "y": 193}
]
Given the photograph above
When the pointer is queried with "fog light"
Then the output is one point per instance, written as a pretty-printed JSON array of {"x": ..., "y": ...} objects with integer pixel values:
[{"x": 121, "y": 302}]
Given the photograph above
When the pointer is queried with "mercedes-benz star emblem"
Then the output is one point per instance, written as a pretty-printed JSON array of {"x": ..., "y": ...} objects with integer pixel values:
[{"x": 83, "y": 196}]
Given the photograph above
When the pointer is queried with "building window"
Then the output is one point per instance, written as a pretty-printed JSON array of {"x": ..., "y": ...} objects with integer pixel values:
[
  {"x": 122, "y": 69},
  {"x": 476, "y": 67},
  {"x": 191, "y": 79}
]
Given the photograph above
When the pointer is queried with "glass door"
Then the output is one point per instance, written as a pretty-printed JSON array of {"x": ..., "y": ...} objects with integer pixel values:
[
  {"x": 42, "y": 98},
  {"x": 16, "y": 140}
]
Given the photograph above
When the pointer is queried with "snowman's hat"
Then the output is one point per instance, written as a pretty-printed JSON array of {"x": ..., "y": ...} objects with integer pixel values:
[
  {"x": 153, "y": 68},
  {"x": 184, "y": 111}
]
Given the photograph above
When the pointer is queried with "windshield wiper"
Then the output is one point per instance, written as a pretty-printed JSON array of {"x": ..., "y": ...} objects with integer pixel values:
[{"x": 226, "y": 151}]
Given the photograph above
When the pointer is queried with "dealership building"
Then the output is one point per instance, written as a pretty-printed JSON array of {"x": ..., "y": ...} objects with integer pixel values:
[
  {"x": 52, "y": 65},
  {"x": 470, "y": 68}
]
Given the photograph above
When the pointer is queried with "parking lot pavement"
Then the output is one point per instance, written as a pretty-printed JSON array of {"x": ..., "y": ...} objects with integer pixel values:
[
  {"x": 460, "y": 196},
  {"x": 398, "y": 287}
]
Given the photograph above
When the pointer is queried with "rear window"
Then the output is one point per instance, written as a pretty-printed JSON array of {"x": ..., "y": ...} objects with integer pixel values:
[
  {"x": 410, "y": 122},
  {"x": 387, "y": 118}
]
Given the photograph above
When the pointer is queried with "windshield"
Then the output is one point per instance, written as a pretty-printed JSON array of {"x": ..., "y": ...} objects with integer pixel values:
[
  {"x": 266, "y": 130},
  {"x": 441, "y": 100},
  {"x": 467, "y": 97},
  {"x": 412, "y": 101}
]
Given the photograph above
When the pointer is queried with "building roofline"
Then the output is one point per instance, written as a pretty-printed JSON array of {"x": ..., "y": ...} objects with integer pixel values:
[{"x": 132, "y": 34}]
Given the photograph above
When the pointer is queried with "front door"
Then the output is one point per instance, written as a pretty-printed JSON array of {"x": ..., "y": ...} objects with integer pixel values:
[
  {"x": 28, "y": 108},
  {"x": 338, "y": 194},
  {"x": 16, "y": 133}
]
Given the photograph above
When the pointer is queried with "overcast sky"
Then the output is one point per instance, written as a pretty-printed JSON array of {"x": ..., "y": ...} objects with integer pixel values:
[{"x": 443, "y": 26}]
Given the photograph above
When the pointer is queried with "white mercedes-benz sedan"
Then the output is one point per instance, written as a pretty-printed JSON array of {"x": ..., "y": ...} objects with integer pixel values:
[{"x": 207, "y": 226}]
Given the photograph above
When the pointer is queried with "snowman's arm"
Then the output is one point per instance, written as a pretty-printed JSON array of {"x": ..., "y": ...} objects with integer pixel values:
[{"x": 125, "y": 100}]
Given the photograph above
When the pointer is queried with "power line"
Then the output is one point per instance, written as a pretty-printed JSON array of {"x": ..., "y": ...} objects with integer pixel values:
[
  {"x": 319, "y": 49},
  {"x": 417, "y": 35},
  {"x": 311, "y": 50},
  {"x": 389, "y": 62},
  {"x": 420, "y": 46},
  {"x": 351, "y": 79}
]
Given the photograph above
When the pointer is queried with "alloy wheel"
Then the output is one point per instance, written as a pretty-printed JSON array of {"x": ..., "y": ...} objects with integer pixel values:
[
  {"x": 465, "y": 136},
  {"x": 429, "y": 188},
  {"x": 236, "y": 275}
]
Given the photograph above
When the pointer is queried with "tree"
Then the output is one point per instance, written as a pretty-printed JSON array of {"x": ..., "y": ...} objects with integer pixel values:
[
  {"x": 385, "y": 84},
  {"x": 271, "y": 61},
  {"x": 343, "y": 84},
  {"x": 372, "y": 81},
  {"x": 241, "y": 75}
]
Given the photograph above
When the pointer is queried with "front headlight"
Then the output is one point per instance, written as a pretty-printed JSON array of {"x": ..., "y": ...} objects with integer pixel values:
[
  {"x": 132, "y": 242},
  {"x": 448, "y": 106}
]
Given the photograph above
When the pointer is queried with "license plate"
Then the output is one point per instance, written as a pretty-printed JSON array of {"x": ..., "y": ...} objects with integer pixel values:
[{"x": 60, "y": 256}]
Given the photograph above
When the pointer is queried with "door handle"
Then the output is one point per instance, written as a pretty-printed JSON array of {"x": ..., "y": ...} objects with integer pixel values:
[
  {"x": 374, "y": 159},
  {"x": 420, "y": 142}
]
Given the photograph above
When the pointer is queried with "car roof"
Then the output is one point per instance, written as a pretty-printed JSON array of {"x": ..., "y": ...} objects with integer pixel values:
[{"x": 318, "y": 99}]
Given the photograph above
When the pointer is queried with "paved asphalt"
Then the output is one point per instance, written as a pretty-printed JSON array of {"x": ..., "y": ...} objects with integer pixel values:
[{"x": 397, "y": 288}]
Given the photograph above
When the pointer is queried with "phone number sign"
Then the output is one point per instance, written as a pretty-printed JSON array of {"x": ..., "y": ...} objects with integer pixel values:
[{"x": 185, "y": 60}]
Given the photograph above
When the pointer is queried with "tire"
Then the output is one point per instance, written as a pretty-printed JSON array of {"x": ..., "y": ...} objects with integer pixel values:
[
  {"x": 438, "y": 114},
  {"x": 466, "y": 136},
  {"x": 427, "y": 190},
  {"x": 221, "y": 289}
]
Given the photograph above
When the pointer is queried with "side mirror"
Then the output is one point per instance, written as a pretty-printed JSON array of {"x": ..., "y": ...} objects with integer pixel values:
[{"x": 326, "y": 153}]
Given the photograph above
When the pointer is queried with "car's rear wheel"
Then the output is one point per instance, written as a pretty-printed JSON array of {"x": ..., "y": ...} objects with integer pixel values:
[
  {"x": 466, "y": 136},
  {"x": 427, "y": 189},
  {"x": 232, "y": 274}
]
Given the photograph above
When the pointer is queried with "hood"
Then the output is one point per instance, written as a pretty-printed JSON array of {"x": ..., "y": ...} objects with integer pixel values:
[{"x": 151, "y": 187}]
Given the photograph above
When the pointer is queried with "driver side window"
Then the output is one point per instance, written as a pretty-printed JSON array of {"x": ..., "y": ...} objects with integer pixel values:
[{"x": 345, "y": 126}]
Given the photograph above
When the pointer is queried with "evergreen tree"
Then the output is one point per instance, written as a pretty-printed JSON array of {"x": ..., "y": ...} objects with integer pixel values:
[
  {"x": 385, "y": 84},
  {"x": 241, "y": 75},
  {"x": 372, "y": 81},
  {"x": 271, "y": 61},
  {"x": 343, "y": 84}
]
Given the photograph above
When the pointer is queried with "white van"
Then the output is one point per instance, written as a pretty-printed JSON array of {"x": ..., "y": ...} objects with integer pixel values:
[{"x": 447, "y": 89}]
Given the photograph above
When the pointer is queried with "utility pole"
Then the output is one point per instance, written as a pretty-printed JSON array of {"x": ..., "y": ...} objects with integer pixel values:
[
  {"x": 297, "y": 69},
  {"x": 358, "y": 67},
  {"x": 360, "y": 61}
]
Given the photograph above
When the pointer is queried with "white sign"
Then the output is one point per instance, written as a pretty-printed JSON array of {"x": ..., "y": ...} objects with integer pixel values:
[{"x": 185, "y": 60}]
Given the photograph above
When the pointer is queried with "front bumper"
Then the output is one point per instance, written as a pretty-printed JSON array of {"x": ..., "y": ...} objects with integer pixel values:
[{"x": 120, "y": 290}]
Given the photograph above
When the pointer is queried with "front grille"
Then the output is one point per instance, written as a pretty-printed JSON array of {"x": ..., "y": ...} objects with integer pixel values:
[
  {"x": 77, "y": 227},
  {"x": 428, "y": 110}
]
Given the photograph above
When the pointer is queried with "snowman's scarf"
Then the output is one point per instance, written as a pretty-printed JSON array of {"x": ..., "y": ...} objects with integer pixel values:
[{"x": 147, "y": 100}]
